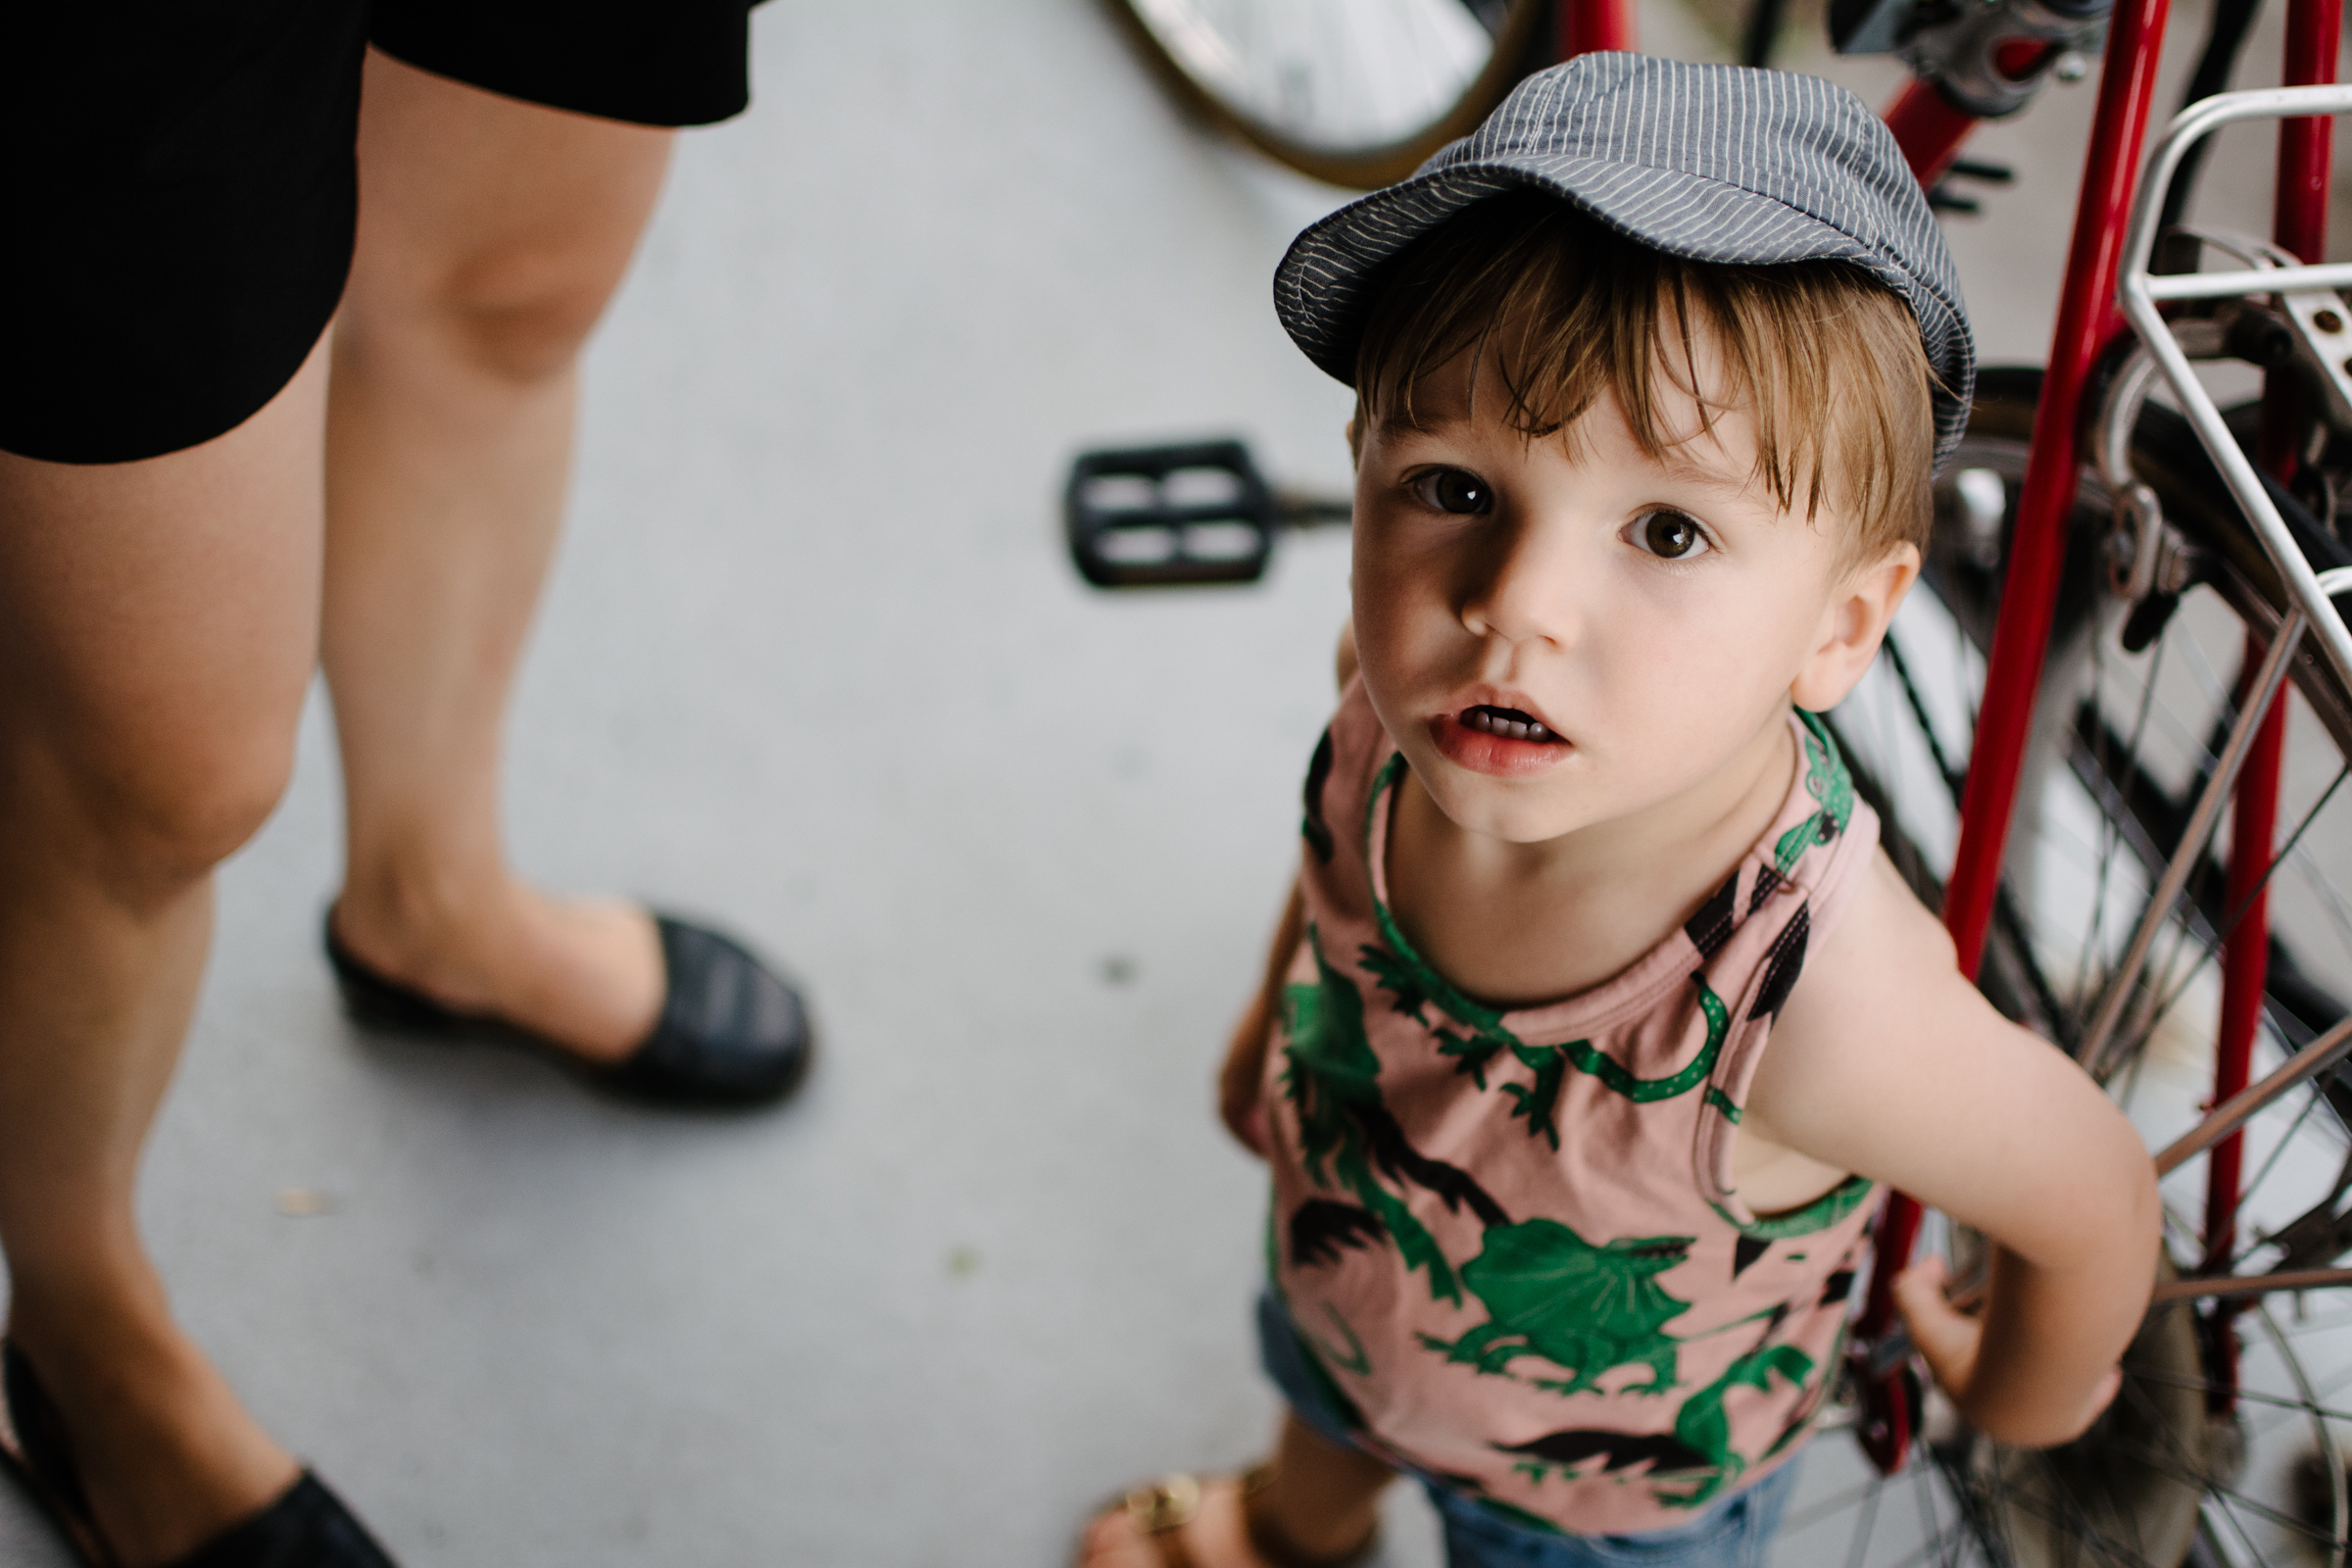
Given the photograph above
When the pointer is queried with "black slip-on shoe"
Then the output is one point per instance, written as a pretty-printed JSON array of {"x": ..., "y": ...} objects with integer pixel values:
[
  {"x": 307, "y": 1527},
  {"x": 730, "y": 1033}
]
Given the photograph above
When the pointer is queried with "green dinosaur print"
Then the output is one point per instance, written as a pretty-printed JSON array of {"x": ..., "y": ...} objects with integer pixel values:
[
  {"x": 1587, "y": 1310},
  {"x": 1551, "y": 1065},
  {"x": 1695, "y": 1462},
  {"x": 1832, "y": 788},
  {"x": 1702, "y": 1427},
  {"x": 1347, "y": 1140},
  {"x": 1355, "y": 1360},
  {"x": 1646, "y": 1090},
  {"x": 1415, "y": 987},
  {"x": 1818, "y": 1215},
  {"x": 1536, "y": 1101}
]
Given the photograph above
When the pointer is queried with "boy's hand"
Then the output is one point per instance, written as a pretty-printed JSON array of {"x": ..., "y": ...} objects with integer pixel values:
[{"x": 1948, "y": 1340}]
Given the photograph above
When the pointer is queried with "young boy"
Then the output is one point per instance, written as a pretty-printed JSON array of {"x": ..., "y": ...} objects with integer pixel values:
[{"x": 1653, "y": 372}]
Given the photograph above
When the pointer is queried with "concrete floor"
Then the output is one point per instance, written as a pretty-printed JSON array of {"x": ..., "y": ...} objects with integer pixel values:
[{"x": 814, "y": 665}]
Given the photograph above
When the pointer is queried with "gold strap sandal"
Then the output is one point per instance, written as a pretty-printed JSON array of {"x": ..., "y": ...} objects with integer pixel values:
[{"x": 1161, "y": 1509}]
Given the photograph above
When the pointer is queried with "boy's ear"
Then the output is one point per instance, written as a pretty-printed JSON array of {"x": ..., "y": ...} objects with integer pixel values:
[
  {"x": 1355, "y": 436},
  {"x": 1853, "y": 627}
]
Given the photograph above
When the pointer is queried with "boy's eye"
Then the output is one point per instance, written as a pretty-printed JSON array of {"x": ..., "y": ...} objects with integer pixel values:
[
  {"x": 1669, "y": 535},
  {"x": 1452, "y": 490}
]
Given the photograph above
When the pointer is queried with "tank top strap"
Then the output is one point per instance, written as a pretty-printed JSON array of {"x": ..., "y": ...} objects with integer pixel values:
[
  {"x": 1755, "y": 935},
  {"x": 1340, "y": 780}
]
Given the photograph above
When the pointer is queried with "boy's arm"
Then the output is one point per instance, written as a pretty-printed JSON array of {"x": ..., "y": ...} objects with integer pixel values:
[
  {"x": 1240, "y": 1082},
  {"x": 1887, "y": 1064}
]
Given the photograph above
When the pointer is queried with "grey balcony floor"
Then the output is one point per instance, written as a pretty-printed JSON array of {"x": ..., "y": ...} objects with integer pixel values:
[{"x": 814, "y": 665}]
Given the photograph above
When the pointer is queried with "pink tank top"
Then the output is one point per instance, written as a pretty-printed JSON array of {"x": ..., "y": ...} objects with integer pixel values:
[{"x": 1510, "y": 1239}]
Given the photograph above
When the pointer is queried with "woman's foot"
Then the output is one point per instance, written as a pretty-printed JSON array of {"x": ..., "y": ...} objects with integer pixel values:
[
  {"x": 585, "y": 974},
  {"x": 1230, "y": 1520},
  {"x": 167, "y": 1457}
]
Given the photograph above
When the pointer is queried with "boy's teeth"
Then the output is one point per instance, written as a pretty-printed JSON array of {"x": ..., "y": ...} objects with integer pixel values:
[{"x": 1487, "y": 722}]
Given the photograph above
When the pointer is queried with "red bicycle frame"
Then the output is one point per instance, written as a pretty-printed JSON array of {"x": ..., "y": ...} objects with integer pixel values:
[{"x": 1929, "y": 129}]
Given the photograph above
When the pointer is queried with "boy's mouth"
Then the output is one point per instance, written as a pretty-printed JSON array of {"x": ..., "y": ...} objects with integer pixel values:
[{"x": 1510, "y": 724}]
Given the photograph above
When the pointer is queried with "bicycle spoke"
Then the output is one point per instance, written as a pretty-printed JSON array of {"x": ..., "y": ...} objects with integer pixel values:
[
  {"x": 2077, "y": 1522},
  {"x": 2238, "y": 914},
  {"x": 2315, "y": 1058},
  {"x": 2214, "y": 1489},
  {"x": 2222, "y": 1505},
  {"x": 2311, "y": 1101},
  {"x": 2111, "y": 832},
  {"x": 1810, "y": 1516},
  {"x": 1922, "y": 1488},
  {"x": 2322, "y": 1325},
  {"x": 2206, "y": 1385},
  {"x": 1869, "y": 1519},
  {"x": 2330, "y": 1456},
  {"x": 1954, "y": 779}
]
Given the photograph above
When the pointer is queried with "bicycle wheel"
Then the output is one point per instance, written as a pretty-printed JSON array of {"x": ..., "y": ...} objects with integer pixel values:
[
  {"x": 1354, "y": 92},
  {"x": 2226, "y": 1445}
]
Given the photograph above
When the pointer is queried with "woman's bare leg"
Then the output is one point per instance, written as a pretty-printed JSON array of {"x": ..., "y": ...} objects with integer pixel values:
[
  {"x": 157, "y": 629},
  {"x": 1323, "y": 1501},
  {"x": 491, "y": 234}
]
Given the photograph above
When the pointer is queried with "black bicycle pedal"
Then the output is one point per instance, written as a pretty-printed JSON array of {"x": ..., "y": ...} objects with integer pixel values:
[
  {"x": 1160, "y": 517},
  {"x": 1979, "y": 168}
]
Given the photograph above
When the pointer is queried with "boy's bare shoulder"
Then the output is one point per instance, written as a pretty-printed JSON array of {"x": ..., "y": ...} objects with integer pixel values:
[
  {"x": 1885, "y": 957},
  {"x": 1888, "y": 1062},
  {"x": 1880, "y": 1014}
]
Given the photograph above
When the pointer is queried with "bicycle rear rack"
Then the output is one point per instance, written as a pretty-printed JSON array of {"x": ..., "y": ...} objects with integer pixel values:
[{"x": 2307, "y": 294}]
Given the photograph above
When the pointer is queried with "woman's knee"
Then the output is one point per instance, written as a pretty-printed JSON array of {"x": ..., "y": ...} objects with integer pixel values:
[
  {"x": 499, "y": 228},
  {"x": 159, "y": 625},
  {"x": 529, "y": 333},
  {"x": 518, "y": 313},
  {"x": 512, "y": 296},
  {"x": 151, "y": 802}
]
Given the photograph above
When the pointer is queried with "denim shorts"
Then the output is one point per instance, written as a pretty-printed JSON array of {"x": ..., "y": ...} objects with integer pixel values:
[{"x": 1736, "y": 1533}]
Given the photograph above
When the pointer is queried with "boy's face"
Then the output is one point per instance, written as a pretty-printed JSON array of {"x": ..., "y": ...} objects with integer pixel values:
[{"x": 1651, "y": 618}]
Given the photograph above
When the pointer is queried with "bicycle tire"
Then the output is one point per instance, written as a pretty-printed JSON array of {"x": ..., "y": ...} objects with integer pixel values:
[
  {"x": 2167, "y": 1477},
  {"x": 1215, "y": 56}
]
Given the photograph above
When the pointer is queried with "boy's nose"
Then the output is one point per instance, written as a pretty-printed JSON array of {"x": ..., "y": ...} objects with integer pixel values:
[{"x": 1525, "y": 588}]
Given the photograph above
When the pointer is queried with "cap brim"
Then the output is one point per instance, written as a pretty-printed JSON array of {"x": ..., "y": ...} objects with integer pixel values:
[{"x": 1334, "y": 273}]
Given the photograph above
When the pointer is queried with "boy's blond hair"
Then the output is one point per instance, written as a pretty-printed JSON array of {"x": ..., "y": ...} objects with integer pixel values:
[{"x": 1828, "y": 360}]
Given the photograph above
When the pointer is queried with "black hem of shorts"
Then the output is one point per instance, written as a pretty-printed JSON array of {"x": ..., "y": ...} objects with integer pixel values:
[
  {"x": 693, "y": 69},
  {"x": 182, "y": 177},
  {"x": 186, "y": 214}
]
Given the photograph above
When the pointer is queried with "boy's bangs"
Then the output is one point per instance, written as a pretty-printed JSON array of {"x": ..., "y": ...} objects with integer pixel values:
[{"x": 1827, "y": 362}]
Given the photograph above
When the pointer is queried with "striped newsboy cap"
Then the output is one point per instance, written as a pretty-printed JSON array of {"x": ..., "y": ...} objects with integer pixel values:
[{"x": 1710, "y": 162}]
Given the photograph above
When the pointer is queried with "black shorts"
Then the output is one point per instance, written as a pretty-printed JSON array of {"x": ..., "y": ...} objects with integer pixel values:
[{"x": 177, "y": 187}]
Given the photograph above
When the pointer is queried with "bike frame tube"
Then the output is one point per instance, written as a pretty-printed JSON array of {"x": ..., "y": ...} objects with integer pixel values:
[
  {"x": 2245, "y": 961},
  {"x": 1585, "y": 26},
  {"x": 2086, "y": 323},
  {"x": 2299, "y": 224},
  {"x": 2305, "y": 145},
  {"x": 1929, "y": 127}
]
